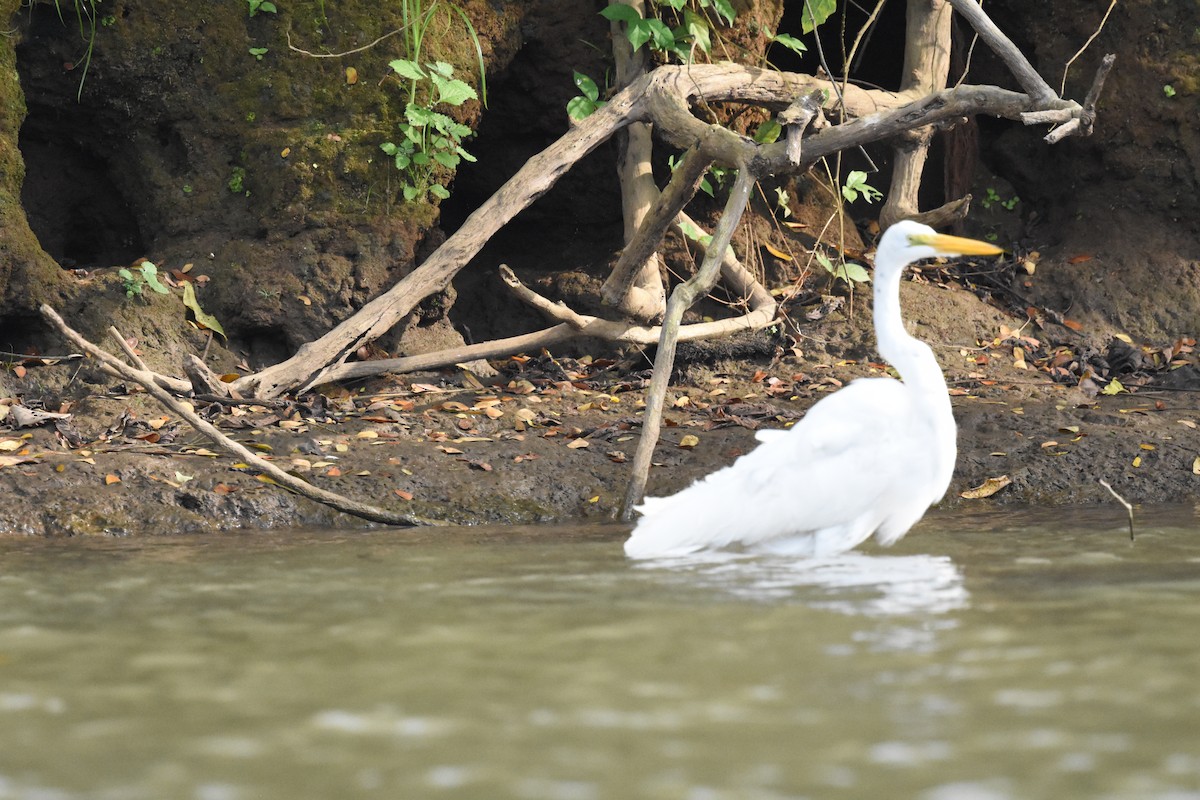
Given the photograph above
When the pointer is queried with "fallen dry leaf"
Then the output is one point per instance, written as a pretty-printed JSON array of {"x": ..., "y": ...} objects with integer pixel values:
[
  {"x": 775, "y": 251},
  {"x": 689, "y": 441},
  {"x": 403, "y": 495},
  {"x": 576, "y": 444},
  {"x": 987, "y": 488},
  {"x": 110, "y": 479},
  {"x": 12, "y": 461}
]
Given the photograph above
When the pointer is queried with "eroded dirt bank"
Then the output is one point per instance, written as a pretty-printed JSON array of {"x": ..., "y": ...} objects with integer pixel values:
[{"x": 547, "y": 441}]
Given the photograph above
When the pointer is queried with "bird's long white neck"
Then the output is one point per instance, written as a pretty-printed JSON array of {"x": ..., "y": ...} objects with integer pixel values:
[{"x": 912, "y": 358}]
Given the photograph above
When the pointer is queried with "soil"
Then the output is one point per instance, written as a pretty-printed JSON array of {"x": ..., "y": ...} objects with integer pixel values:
[
  {"x": 1103, "y": 283},
  {"x": 549, "y": 438}
]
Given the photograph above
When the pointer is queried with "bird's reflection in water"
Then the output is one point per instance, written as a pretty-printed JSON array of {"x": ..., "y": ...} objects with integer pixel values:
[{"x": 852, "y": 583}]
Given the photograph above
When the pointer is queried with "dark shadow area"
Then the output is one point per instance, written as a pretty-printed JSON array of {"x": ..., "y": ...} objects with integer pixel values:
[
  {"x": 70, "y": 196},
  {"x": 564, "y": 241}
]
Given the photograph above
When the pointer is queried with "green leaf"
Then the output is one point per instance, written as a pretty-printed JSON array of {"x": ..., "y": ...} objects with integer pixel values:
[
  {"x": 453, "y": 91},
  {"x": 851, "y": 272},
  {"x": 697, "y": 28},
  {"x": 203, "y": 318},
  {"x": 439, "y": 191},
  {"x": 790, "y": 42},
  {"x": 465, "y": 155},
  {"x": 442, "y": 68},
  {"x": 695, "y": 234},
  {"x": 419, "y": 116},
  {"x": 125, "y": 274},
  {"x": 619, "y": 12},
  {"x": 724, "y": 9},
  {"x": 402, "y": 161},
  {"x": 580, "y": 107},
  {"x": 587, "y": 86},
  {"x": 675, "y": 4},
  {"x": 639, "y": 33},
  {"x": 664, "y": 37},
  {"x": 448, "y": 160},
  {"x": 150, "y": 274},
  {"x": 411, "y": 192},
  {"x": 407, "y": 69},
  {"x": 388, "y": 148},
  {"x": 267, "y": 6},
  {"x": 768, "y": 132},
  {"x": 856, "y": 185},
  {"x": 815, "y": 12}
]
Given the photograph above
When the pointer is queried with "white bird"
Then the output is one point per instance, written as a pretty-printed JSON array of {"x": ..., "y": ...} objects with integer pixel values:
[{"x": 870, "y": 458}]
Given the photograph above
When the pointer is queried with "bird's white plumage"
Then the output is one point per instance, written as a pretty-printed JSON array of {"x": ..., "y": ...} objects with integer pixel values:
[{"x": 868, "y": 459}]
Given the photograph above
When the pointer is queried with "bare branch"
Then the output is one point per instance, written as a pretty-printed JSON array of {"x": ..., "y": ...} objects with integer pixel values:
[
  {"x": 1039, "y": 91},
  {"x": 149, "y": 381},
  {"x": 683, "y": 297}
]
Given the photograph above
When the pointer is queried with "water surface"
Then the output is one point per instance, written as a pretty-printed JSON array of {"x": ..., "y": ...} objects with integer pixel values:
[{"x": 994, "y": 656}]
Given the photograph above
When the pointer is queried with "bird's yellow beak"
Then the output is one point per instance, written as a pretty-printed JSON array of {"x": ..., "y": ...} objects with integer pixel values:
[{"x": 956, "y": 245}]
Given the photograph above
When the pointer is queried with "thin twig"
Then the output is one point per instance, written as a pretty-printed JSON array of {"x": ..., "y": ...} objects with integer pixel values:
[
  {"x": 146, "y": 380},
  {"x": 13, "y": 358},
  {"x": 346, "y": 53},
  {"x": 1122, "y": 501},
  {"x": 1066, "y": 69},
  {"x": 126, "y": 348}
]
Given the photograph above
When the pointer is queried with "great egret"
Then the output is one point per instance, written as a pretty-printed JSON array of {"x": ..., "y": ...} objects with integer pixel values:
[{"x": 870, "y": 458}]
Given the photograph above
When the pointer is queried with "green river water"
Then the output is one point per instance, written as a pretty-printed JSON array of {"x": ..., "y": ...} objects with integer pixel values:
[{"x": 1023, "y": 655}]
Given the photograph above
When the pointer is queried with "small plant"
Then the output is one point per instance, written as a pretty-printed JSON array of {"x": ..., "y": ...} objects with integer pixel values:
[
  {"x": 430, "y": 139},
  {"x": 258, "y": 53},
  {"x": 719, "y": 175},
  {"x": 856, "y": 186},
  {"x": 853, "y": 274},
  {"x": 587, "y": 102},
  {"x": 237, "y": 180},
  {"x": 187, "y": 188},
  {"x": 782, "y": 202},
  {"x": 142, "y": 275},
  {"x": 993, "y": 198},
  {"x": 790, "y": 42},
  {"x": 1169, "y": 90},
  {"x": 261, "y": 5},
  {"x": 692, "y": 33}
]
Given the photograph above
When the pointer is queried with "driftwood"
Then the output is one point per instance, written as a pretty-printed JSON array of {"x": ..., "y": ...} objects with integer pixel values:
[
  {"x": 147, "y": 380},
  {"x": 664, "y": 98}
]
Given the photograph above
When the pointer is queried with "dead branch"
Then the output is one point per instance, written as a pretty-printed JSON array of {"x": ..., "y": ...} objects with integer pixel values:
[
  {"x": 679, "y": 192},
  {"x": 1038, "y": 90},
  {"x": 588, "y": 326},
  {"x": 148, "y": 381},
  {"x": 663, "y": 98},
  {"x": 683, "y": 297},
  {"x": 926, "y": 67}
]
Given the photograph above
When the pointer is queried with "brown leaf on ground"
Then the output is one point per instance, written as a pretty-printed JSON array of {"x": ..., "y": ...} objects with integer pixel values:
[{"x": 987, "y": 488}]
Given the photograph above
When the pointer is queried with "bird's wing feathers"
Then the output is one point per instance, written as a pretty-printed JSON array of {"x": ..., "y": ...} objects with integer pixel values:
[{"x": 803, "y": 479}]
